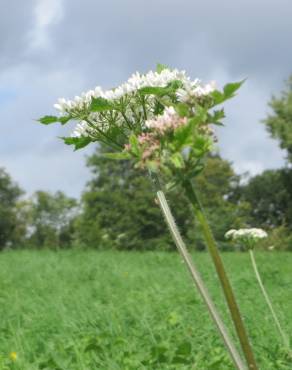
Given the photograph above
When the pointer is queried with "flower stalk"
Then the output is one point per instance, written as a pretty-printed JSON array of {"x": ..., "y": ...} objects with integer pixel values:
[
  {"x": 223, "y": 278},
  {"x": 196, "y": 277},
  {"x": 268, "y": 301}
]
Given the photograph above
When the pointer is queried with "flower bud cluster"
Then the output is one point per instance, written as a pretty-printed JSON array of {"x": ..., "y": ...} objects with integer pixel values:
[
  {"x": 158, "y": 127},
  {"x": 167, "y": 121}
]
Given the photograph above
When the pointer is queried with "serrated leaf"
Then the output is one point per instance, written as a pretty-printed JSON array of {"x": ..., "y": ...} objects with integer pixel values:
[
  {"x": 134, "y": 141},
  {"x": 118, "y": 155},
  {"x": 218, "y": 114},
  {"x": 63, "y": 120},
  {"x": 196, "y": 170},
  {"x": 100, "y": 105},
  {"x": 230, "y": 88},
  {"x": 182, "y": 109},
  {"x": 182, "y": 134},
  {"x": 216, "y": 117},
  {"x": 175, "y": 84},
  {"x": 47, "y": 120},
  {"x": 177, "y": 160},
  {"x": 161, "y": 91},
  {"x": 158, "y": 108},
  {"x": 78, "y": 142},
  {"x": 228, "y": 92},
  {"x": 153, "y": 90},
  {"x": 218, "y": 97}
]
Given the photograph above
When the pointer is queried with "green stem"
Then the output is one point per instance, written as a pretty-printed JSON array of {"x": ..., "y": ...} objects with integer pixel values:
[
  {"x": 108, "y": 141},
  {"x": 196, "y": 276},
  {"x": 269, "y": 303},
  {"x": 131, "y": 127},
  {"x": 226, "y": 286}
]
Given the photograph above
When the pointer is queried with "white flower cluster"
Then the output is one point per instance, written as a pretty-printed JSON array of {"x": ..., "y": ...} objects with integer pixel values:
[
  {"x": 137, "y": 81},
  {"x": 193, "y": 90},
  {"x": 134, "y": 83},
  {"x": 81, "y": 129},
  {"x": 78, "y": 107},
  {"x": 246, "y": 235}
]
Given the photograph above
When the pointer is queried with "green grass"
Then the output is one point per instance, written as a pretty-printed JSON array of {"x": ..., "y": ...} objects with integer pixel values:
[{"x": 115, "y": 310}]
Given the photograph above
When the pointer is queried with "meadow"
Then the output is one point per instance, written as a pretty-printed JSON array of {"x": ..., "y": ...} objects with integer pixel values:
[{"x": 83, "y": 310}]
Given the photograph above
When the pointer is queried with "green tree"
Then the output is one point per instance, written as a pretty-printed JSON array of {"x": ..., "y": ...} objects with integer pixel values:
[
  {"x": 270, "y": 193},
  {"x": 51, "y": 220},
  {"x": 11, "y": 232},
  {"x": 218, "y": 186},
  {"x": 119, "y": 209},
  {"x": 270, "y": 197},
  {"x": 279, "y": 122}
]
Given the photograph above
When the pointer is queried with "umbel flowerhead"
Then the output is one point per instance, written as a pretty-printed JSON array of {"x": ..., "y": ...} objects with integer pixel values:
[
  {"x": 248, "y": 237},
  {"x": 162, "y": 120}
]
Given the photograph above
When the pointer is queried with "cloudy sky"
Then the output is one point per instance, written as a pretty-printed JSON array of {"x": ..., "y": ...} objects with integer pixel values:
[{"x": 59, "y": 48}]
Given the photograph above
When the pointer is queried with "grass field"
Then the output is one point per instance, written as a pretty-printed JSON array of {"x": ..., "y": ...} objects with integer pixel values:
[{"x": 115, "y": 310}]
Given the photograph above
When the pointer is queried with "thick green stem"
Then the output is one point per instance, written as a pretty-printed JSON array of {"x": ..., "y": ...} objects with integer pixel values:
[
  {"x": 197, "y": 278},
  {"x": 269, "y": 303},
  {"x": 226, "y": 286}
]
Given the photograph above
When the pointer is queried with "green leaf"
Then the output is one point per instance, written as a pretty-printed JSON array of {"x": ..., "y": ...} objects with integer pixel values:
[
  {"x": 118, "y": 155},
  {"x": 133, "y": 140},
  {"x": 196, "y": 170},
  {"x": 177, "y": 160},
  {"x": 63, "y": 120},
  {"x": 47, "y": 120},
  {"x": 230, "y": 88},
  {"x": 218, "y": 114},
  {"x": 182, "y": 109},
  {"x": 78, "y": 142},
  {"x": 218, "y": 97},
  {"x": 174, "y": 85},
  {"x": 158, "y": 108},
  {"x": 161, "y": 67},
  {"x": 153, "y": 90},
  {"x": 216, "y": 117},
  {"x": 100, "y": 105},
  {"x": 182, "y": 135},
  {"x": 161, "y": 91},
  {"x": 228, "y": 92}
]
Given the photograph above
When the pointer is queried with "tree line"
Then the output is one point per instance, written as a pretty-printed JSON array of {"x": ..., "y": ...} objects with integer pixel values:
[{"x": 117, "y": 208}]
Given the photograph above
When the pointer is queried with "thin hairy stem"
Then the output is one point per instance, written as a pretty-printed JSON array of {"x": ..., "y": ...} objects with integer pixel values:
[
  {"x": 268, "y": 301},
  {"x": 223, "y": 278},
  {"x": 197, "y": 278}
]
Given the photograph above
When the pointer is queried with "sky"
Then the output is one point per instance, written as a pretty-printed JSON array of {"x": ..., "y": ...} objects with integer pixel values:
[{"x": 59, "y": 48}]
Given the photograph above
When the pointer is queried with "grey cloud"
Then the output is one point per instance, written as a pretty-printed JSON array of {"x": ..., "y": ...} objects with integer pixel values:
[{"x": 16, "y": 19}]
